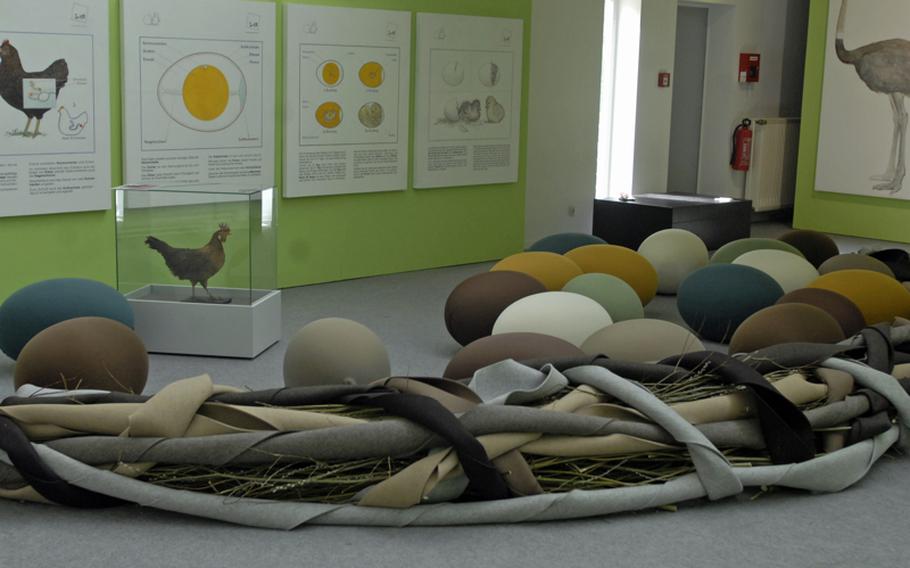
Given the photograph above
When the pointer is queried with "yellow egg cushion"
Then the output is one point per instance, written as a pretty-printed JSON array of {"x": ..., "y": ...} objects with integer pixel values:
[
  {"x": 621, "y": 262},
  {"x": 553, "y": 270},
  {"x": 880, "y": 298}
]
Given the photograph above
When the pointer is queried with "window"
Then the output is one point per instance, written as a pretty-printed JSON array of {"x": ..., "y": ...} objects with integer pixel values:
[{"x": 618, "y": 97}]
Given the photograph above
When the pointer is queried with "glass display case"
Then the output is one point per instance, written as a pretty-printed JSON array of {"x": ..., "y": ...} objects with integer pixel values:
[{"x": 198, "y": 265}]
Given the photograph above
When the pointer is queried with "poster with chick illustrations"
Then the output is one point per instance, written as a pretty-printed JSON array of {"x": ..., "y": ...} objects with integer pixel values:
[
  {"x": 199, "y": 92},
  {"x": 54, "y": 107},
  {"x": 347, "y": 87},
  {"x": 468, "y": 108}
]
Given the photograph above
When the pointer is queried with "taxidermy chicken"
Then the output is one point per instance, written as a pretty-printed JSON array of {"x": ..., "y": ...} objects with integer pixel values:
[
  {"x": 13, "y": 80},
  {"x": 195, "y": 265}
]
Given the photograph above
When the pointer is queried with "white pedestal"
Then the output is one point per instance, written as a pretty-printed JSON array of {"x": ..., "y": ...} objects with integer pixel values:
[{"x": 167, "y": 323}]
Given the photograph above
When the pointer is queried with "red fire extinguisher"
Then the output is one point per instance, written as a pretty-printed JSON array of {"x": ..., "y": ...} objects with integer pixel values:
[{"x": 742, "y": 146}]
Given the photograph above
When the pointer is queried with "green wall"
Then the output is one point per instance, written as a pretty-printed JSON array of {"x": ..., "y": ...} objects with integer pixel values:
[
  {"x": 320, "y": 239},
  {"x": 872, "y": 217}
]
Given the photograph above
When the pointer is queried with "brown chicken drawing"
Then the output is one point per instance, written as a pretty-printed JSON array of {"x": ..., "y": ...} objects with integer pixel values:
[
  {"x": 196, "y": 265},
  {"x": 14, "y": 81}
]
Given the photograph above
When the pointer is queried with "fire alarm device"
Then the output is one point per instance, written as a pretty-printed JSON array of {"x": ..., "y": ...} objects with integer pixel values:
[
  {"x": 749, "y": 67},
  {"x": 663, "y": 79}
]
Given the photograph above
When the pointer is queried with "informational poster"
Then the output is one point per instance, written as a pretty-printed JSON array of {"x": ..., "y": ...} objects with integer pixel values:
[
  {"x": 199, "y": 92},
  {"x": 468, "y": 107},
  {"x": 347, "y": 87},
  {"x": 55, "y": 153},
  {"x": 862, "y": 142}
]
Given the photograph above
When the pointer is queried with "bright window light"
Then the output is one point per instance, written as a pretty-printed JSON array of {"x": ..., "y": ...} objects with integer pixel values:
[{"x": 619, "y": 96}]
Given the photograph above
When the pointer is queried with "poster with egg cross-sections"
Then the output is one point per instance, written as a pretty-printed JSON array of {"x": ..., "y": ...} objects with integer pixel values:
[
  {"x": 199, "y": 92},
  {"x": 55, "y": 133},
  {"x": 347, "y": 91},
  {"x": 467, "y": 128}
]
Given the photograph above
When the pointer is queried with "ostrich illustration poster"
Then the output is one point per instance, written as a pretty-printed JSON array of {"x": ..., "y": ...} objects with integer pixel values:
[
  {"x": 54, "y": 107},
  {"x": 863, "y": 135}
]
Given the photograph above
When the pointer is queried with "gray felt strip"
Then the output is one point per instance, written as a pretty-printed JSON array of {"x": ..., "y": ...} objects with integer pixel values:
[{"x": 712, "y": 467}]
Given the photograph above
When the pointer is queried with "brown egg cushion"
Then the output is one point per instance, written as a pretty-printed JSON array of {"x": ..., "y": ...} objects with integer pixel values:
[
  {"x": 816, "y": 247},
  {"x": 85, "y": 353},
  {"x": 838, "y": 306},
  {"x": 518, "y": 346},
  {"x": 473, "y": 306},
  {"x": 785, "y": 323}
]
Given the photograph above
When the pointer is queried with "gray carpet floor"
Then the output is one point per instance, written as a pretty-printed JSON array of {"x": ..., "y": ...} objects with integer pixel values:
[{"x": 861, "y": 526}]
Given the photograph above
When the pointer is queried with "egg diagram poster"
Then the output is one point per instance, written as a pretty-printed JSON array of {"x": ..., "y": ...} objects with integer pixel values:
[
  {"x": 347, "y": 87},
  {"x": 468, "y": 107},
  {"x": 54, "y": 107},
  {"x": 199, "y": 92}
]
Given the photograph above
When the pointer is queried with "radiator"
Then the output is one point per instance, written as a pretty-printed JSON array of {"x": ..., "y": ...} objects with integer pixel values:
[{"x": 771, "y": 179}]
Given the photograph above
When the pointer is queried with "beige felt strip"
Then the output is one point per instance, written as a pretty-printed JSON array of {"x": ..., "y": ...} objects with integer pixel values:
[
  {"x": 580, "y": 446},
  {"x": 901, "y": 371},
  {"x": 840, "y": 384},
  {"x": 168, "y": 414},
  {"x": 738, "y": 405},
  {"x": 26, "y": 493},
  {"x": 458, "y": 399}
]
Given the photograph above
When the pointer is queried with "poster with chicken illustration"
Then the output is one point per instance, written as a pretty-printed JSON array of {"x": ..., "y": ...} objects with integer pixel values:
[
  {"x": 54, "y": 107},
  {"x": 862, "y": 146},
  {"x": 347, "y": 91},
  {"x": 468, "y": 107},
  {"x": 199, "y": 92}
]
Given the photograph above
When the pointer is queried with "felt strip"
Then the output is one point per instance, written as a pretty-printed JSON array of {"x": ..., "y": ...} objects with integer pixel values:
[
  {"x": 787, "y": 432},
  {"x": 484, "y": 480},
  {"x": 831, "y": 472},
  {"x": 42, "y": 478},
  {"x": 509, "y": 382},
  {"x": 712, "y": 467}
]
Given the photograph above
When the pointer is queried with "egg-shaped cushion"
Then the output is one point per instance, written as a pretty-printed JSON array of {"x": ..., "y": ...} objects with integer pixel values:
[
  {"x": 838, "y": 306},
  {"x": 617, "y": 297},
  {"x": 642, "y": 340},
  {"x": 570, "y": 317},
  {"x": 785, "y": 323},
  {"x": 674, "y": 254},
  {"x": 42, "y": 304},
  {"x": 879, "y": 297},
  {"x": 518, "y": 346},
  {"x": 562, "y": 243},
  {"x": 854, "y": 261},
  {"x": 734, "y": 249},
  {"x": 550, "y": 269},
  {"x": 473, "y": 306},
  {"x": 85, "y": 353},
  {"x": 621, "y": 262},
  {"x": 816, "y": 247},
  {"x": 716, "y": 299},
  {"x": 333, "y": 351},
  {"x": 790, "y": 271}
]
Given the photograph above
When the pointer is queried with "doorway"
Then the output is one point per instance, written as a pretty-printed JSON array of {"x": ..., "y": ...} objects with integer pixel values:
[{"x": 688, "y": 97}]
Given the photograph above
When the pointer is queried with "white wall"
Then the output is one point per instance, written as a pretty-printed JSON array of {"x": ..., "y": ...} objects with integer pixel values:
[
  {"x": 652, "y": 125},
  {"x": 566, "y": 38}
]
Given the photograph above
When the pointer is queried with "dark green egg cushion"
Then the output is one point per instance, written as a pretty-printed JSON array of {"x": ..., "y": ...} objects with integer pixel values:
[
  {"x": 561, "y": 243},
  {"x": 38, "y": 306},
  {"x": 716, "y": 299}
]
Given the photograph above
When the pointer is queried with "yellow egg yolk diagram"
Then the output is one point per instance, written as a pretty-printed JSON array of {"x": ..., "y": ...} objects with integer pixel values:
[
  {"x": 331, "y": 73},
  {"x": 206, "y": 92},
  {"x": 371, "y": 74},
  {"x": 329, "y": 114}
]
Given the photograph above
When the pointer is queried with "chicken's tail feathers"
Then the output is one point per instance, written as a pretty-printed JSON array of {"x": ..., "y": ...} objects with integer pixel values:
[
  {"x": 157, "y": 244},
  {"x": 59, "y": 70}
]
